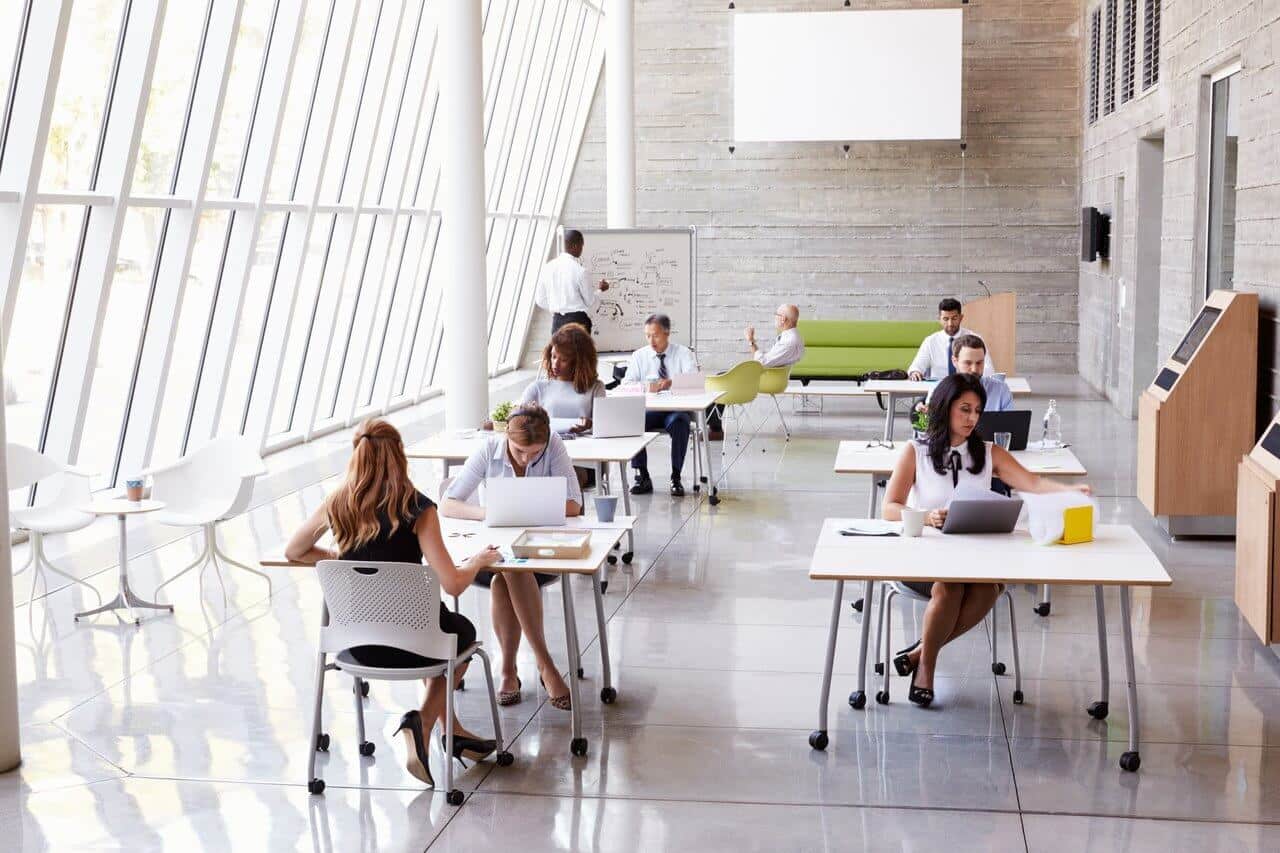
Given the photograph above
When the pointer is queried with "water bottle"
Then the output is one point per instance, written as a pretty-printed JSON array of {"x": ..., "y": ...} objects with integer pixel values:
[{"x": 1052, "y": 436}]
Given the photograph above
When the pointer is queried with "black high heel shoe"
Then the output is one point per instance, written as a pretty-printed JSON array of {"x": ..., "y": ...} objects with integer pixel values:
[
  {"x": 902, "y": 661},
  {"x": 415, "y": 761},
  {"x": 470, "y": 748},
  {"x": 922, "y": 696}
]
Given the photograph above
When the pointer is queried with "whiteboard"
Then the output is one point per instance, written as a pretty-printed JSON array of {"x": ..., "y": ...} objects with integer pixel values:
[
  {"x": 650, "y": 271},
  {"x": 847, "y": 76}
]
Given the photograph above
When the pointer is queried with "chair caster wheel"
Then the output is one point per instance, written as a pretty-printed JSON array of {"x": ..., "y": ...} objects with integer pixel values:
[
  {"x": 1042, "y": 609},
  {"x": 608, "y": 695},
  {"x": 701, "y": 480},
  {"x": 857, "y": 605},
  {"x": 454, "y": 797},
  {"x": 882, "y": 697},
  {"x": 628, "y": 557},
  {"x": 1098, "y": 710},
  {"x": 997, "y": 668},
  {"x": 818, "y": 740},
  {"x": 362, "y": 686},
  {"x": 713, "y": 500},
  {"x": 322, "y": 743},
  {"x": 366, "y": 749},
  {"x": 880, "y": 668},
  {"x": 1130, "y": 761},
  {"x": 857, "y": 700},
  {"x": 505, "y": 759},
  {"x": 578, "y": 746},
  {"x": 604, "y": 587},
  {"x": 613, "y": 560},
  {"x": 582, "y": 673},
  {"x": 316, "y": 786},
  {"x": 1017, "y": 697}
]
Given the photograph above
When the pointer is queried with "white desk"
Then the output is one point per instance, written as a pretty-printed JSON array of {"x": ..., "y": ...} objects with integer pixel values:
[
  {"x": 599, "y": 452},
  {"x": 1116, "y": 557},
  {"x": 905, "y": 389},
  {"x": 463, "y": 538},
  {"x": 694, "y": 403}
]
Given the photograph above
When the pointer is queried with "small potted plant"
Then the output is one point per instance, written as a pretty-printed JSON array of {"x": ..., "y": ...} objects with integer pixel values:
[
  {"x": 920, "y": 422},
  {"x": 501, "y": 414}
]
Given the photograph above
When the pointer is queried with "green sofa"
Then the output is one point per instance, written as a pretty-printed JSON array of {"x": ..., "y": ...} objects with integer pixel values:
[{"x": 850, "y": 349}]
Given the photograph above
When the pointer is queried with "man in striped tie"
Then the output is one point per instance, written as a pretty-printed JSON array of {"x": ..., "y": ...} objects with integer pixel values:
[{"x": 654, "y": 365}]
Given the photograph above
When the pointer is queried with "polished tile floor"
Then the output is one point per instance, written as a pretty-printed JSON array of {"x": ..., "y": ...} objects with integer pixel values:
[{"x": 190, "y": 732}]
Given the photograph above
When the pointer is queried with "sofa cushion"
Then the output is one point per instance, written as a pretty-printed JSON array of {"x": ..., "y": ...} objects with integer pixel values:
[
  {"x": 865, "y": 333},
  {"x": 844, "y": 362}
]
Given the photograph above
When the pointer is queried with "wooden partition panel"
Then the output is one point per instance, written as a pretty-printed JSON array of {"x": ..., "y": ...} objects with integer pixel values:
[{"x": 995, "y": 318}]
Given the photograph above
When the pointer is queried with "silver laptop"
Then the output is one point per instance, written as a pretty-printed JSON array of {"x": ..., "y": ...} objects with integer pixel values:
[
  {"x": 998, "y": 515},
  {"x": 524, "y": 502},
  {"x": 689, "y": 383},
  {"x": 614, "y": 417}
]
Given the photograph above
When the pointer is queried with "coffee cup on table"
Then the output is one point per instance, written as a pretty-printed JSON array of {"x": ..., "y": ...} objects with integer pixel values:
[
  {"x": 606, "y": 508},
  {"x": 133, "y": 489},
  {"x": 913, "y": 521}
]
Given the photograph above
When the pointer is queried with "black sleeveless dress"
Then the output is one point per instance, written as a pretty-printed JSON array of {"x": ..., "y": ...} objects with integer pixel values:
[{"x": 402, "y": 547}]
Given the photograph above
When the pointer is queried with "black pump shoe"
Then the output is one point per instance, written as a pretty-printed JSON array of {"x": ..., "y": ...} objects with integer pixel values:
[
  {"x": 922, "y": 696},
  {"x": 415, "y": 761},
  {"x": 470, "y": 748},
  {"x": 643, "y": 486},
  {"x": 902, "y": 660}
]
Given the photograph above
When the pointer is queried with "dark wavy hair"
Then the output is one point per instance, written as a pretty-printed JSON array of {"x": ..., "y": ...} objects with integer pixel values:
[
  {"x": 938, "y": 438},
  {"x": 573, "y": 343}
]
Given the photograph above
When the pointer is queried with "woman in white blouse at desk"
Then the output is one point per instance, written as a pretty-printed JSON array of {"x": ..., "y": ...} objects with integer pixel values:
[
  {"x": 572, "y": 384},
  {"x": 529, "y": 449},
  {"x": 926, "y": 475}
]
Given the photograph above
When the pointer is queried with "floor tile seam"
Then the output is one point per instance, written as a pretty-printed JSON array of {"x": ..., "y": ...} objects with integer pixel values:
[
  {"x": 992, "y": 642},
  {"x": 1162, "y": 818},
  {"x": 124, "y": 771},
  {"x": 1146, "y": 741}
]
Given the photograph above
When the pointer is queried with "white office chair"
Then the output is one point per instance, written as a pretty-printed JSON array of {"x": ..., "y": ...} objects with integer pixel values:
[
  {"x": 885, "y": 627},
  {"x": 64, "y": 490},
  {"x": 203, "y": 488},
  {"x": 395, "y": 605}
]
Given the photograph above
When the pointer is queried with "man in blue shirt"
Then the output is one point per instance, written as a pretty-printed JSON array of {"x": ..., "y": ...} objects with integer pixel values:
[{"x": 969, "y": 355}]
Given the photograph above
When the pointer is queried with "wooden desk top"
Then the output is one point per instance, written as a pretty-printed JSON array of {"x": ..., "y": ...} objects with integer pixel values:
[
  {"x": 603, "y": 538},
  {"x": 1116, "y": 557},
  {"x": 588, "y": 449},
  {"x": 855, "y": 457}
]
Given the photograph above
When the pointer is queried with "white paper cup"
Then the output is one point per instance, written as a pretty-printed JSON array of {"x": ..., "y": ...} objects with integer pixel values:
[{"x": 913, "y": 521}]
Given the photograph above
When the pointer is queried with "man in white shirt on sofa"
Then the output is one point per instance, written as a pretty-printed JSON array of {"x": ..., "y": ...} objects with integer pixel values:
[
  {"x": 933, "y": 359},
  {"x": 787, "y": 349},
  {"x": 654, "y": 365},
  {"x": 562, "y": 286}
]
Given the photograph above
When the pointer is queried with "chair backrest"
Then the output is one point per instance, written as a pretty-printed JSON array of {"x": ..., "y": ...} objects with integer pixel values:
[
  {"x": 26, "y": 466},
  {"x": 383, "y": 604},
  {"x": 741, "y": 383},
  {"x": 774, "y": 379},
  {"x": 223, "y": 469}
]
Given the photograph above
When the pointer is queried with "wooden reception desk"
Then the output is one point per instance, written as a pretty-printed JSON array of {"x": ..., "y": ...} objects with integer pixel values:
[
  {"x": 1197, "y": 419},
  {"x": 1257, "y": 543}
]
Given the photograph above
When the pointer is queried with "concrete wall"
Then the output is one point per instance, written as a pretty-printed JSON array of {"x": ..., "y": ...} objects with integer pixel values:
[
  {"x": 1197, "y": 39},
  {"x": 875, "y": 234}
]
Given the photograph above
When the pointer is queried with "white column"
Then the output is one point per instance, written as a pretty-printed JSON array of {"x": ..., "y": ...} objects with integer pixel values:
[
  {"x": 10, "y": 742},
  {"x": 620, "y": 114},
  {"x": 466, "y": 372}
]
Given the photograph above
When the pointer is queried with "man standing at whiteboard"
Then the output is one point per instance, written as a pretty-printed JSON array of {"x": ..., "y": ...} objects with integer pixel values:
[{"x": 563, "y": 289}]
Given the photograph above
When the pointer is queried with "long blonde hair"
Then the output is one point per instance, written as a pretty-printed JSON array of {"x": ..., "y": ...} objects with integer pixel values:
[{"x": 377, "y": 485}]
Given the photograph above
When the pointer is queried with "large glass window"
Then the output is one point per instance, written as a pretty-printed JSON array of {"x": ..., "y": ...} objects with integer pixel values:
[
  {"x": 1224, "y": 148},
  {"x": 239, "y": 106},
  {"x": 13, "y": 14}
]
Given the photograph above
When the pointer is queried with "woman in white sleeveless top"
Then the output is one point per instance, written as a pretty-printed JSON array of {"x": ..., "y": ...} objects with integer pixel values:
[{"x": 926, "y": 475}]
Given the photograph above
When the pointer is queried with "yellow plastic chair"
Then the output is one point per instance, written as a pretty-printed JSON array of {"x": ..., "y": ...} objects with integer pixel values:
[
  {"x": 741, "y": 385},
  {"x": 773, "y": 381}
]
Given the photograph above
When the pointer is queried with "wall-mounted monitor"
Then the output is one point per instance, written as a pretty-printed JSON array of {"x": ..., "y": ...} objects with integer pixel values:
[
  {"x": 1166, "y": 378},
  {"x": 1196, "y": 334},
  {"x": 847, "y": 76},
  {"x": 1095, "y": 234},
  {"x": 1271, "y": 441}
]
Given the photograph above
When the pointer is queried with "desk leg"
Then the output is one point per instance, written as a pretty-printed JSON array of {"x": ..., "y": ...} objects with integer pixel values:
[
  {"x": 577, "y": 746},
  {"x": 626, "y": 510},
  {"x": 858, "y": 698},
  {"x": 607, "y": 693},
  {"x": 871, "y": 513},
  {"x": 700, "y": 473},
  {"x": 1098, "y": 710},
  {"x": 125, "y": 599},
  {"x": 1129, "y": 760},
  {"x": 706, "y": 450},
  {"x": 818, "y": 738},
  {"x": 888, "y": 416}
]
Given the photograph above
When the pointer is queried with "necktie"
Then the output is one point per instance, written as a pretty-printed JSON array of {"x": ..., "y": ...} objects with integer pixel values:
[
  {"x": 662, "y": 365},
  {"x": 951, "y": 364},
  {"x": 953, "y": 462}
]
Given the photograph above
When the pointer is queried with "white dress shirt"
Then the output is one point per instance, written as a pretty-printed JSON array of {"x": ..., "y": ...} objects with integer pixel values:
[
  {"x": 786, "y": 350},
  {"x": 644, "y": 362},
  {"x": 490, "y": 461},
  {"x": 933, "y": 359},
  {"x": 562, "y": 287}
]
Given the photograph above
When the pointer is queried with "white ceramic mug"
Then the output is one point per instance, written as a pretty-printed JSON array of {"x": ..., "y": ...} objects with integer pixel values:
[{"x": 913, "y": 521}]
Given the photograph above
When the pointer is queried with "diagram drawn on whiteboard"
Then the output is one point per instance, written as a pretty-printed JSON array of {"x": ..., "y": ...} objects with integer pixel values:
[{"x": 640, "y": 284}]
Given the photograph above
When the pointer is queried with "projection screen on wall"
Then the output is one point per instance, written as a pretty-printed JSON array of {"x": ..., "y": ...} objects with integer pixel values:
[{"x": 847, "y": 76}]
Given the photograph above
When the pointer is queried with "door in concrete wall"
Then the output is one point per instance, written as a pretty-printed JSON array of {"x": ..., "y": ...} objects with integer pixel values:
[{"x": 1148, "y": 232}]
